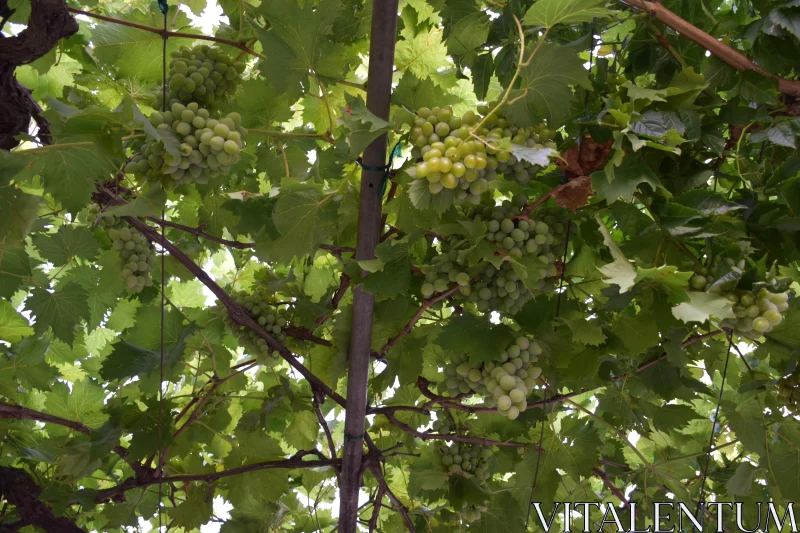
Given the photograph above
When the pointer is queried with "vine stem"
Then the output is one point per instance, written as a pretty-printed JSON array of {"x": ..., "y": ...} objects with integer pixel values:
[
  {"x": 236, "y": 44},
  {"x": 237, "y": 313},
  {"x": 724, "y": 52},
  {"x": 289, "y": 135},
  {"x": 241, "y": 46}
]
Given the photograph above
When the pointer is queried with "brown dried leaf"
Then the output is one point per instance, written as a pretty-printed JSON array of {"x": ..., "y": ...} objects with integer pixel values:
[{"x": 574, "y": 194}]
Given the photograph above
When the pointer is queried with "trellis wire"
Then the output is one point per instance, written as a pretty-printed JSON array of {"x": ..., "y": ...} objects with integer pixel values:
[
  {"x": 714, "y": 425},
  {"x": 558, "y": 298},
  {"x": 164, "y": 7}
]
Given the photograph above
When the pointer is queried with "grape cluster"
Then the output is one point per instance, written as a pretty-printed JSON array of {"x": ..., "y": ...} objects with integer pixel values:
[
  {"x": 505, "y": 383},
  {"x": 97, "y": 217},
  {"x": 469, "y": 459},
  {"x": 137, "y": 257},
  {"x": 499, "y": 286},
  {"x": 202, "y": 74},
  {"x": 498, "y": 127},
  {"x": 261, "y": 305},
  {"x": 450, "y": 159},
  {"x": 789, "y": 390},
  {"x": 757, "y": 312},
  {"x": 208, "y": 147}
]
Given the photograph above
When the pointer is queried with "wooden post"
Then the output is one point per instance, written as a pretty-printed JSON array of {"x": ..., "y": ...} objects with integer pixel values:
[{"x": 379, "y": 92}]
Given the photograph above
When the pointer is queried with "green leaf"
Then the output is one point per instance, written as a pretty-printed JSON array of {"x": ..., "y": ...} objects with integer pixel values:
[
  {"x": 84, "y": 402},
  {"x": 413, "y": 93},
  {"x": 17, "y": 214},
  {"x": 546, "y": 81},
  {"x": 69, "y": 242},
  {"x": 755, "y": 87},
  {"x": 14, "y": 270},
  {"x": 638, "y": 333},
  {"x": 394, "y": 275},
  {"x": 195, "y": 510},
  {"x": 260, "y": 107},
  {"x": 585, "y": 332},
  {"x": 52, "y": 81},
  {"x": 298, "y": 43},
  {"x": 363, "y": 126},
  {"x": 621, "y": 271},
  {"x": 66, "y": 168},
  {"x": 622, "y": 182},
  {"x": 548, "y": 13},
  {"x": 741, "y": 482},
  {"x": 474, "y": 336},
  {"x": 62, "y": 309},
  {"x": 13, "y": 326},
  {"x": 668, "y": 278},
  {"x": 422, "y": 53},
  {"x": 149, "y": 204},
  {"x": 305, "y": 218},
  {"x": 702, "y": 306},
  {"x": 303, "y": 430},
  {"x": 133, "y": 52},
  {"x": 468, "y": 27},
  {"x": 24, "y": 364}
]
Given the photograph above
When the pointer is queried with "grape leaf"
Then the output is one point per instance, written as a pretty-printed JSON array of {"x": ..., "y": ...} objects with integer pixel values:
[
  {"x": 394, "y": 275},
  {"x": 14, "y": 269},
  {"x": 62, "y": 309},
  {"x": 468, "y": 27},
  {"x": 622, "y": 182},
  {"x": 17, "y": 214},
  {"x": 421, "y": 53},
  {"x": 298, "y": 44},
  {"x": 67, "y": 243},
  {"x": 302, "y": 431},
  {"x": 133, "y": 52},
  {"x": 548, "y": 13},
  {"x": 474, "y": 336},
  {"x": 363, "y": 126},
  {"x": 413, "y": 93},
  {"x": 702, "y": 306},
  {"x": 13, "y": 326},
  {"x": 83, "y": 402},
  {"x": 546, "y": 79},
  {"x": 24, "y": 364}
]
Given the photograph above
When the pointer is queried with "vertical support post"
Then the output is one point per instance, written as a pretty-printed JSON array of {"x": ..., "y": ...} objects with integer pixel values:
[{"x": 379, "y": 91}]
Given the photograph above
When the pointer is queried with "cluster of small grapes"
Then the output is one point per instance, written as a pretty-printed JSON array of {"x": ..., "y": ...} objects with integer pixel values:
[
  {"x": 202, "y": 74},
  {"x": 499, "y": 127},
  {"x": 137, "y": 257},
  {"x": 757, "y": 312},
  {"x": 261, "y": 305},
  {"x": 97, "y": 217},
  {"x": 504, "y": 383},
  {"x": 208, "y": 147},
  {"x": 470, "y": 459},
  {"x": 449, "y": 158},
  {"x": 498, "y": 287},
  {"x": 789, "y": 390}
]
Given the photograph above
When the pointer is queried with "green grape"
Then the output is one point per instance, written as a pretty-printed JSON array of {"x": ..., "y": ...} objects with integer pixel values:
[
  {"x": 201, "y": 153},
  {"x": 273, "y": 318},
  {"x": 136, "y": 257},
  {"x": 202, "y": 74}
]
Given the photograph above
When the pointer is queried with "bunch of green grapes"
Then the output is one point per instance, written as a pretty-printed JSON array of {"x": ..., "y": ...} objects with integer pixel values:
[
  {"x": 701, "y": 279},
  {"x": 208, "y": 147},
  {"x": 202, "y": 74},
  {"x": 468, "y": 458},
  {"x": 492, "y": 287},
  {"x": 448, "y": 158},
  {"x": 504, "y": 383},
  {"x": 471, "y": 513},
  {"x": 97, "y": 217},
  {"x": 498, "y": 127},
  {"x": 789, "y": 390},
  {"x": 137, "y": 257},
  {"x": 262, "y": 307},
  {"x": 757, "y": 312}
]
